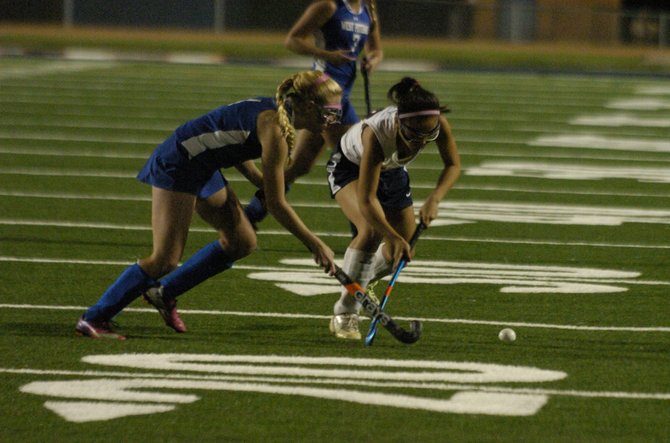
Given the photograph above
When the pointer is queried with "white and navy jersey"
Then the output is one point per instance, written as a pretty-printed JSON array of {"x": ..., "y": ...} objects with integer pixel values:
[
  {"x": 346, "y": 30},
  {"x": 226, "y": 136},
  {"x": 384, "y": 124}
]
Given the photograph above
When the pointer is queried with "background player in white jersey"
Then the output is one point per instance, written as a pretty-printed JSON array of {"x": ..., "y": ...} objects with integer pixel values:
[
  {"x": 184, "y": 172},
  {"x": 367, "y": 176},
  {"x": 334, "y": 32}
]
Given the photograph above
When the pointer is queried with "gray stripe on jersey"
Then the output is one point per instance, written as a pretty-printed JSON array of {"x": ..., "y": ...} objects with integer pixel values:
[{"x": 213, "y": 140}]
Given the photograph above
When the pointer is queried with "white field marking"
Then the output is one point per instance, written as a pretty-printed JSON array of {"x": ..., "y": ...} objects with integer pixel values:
[
  {"x": 291, "y": 375},
  {"x": 568, "y": 141},
  {"x": 592, "y": 141},
  {"x": 234, "y": 177},
  {"x": 73, "y": 152},
  {"x": 371, "y": 383},
  {"x": 618, "y": 120},
  {"x": 51, "y": 68},
  {"x": 575, "y": 155},
  {"x": 473, "y": 210},
  {"x": 73, "y": 196},
  {"x": 639, "y": 104},
  {"x": 113, "y": 391},
  {"x": 119, "y": 137},
  {"x": 555, "y": 214},
  {"x": 313, "y": 182},
  {"x": 476, "y": 128},
  {"x": 264, "y": 232},
  {"x": 72, "y": 136},
  {"x": 99, "y": 124},
  {"x": 572, "y": 171},
  {"x": 472, "y": 102},
  {"x": 653, "y": 90},
  {"x": 88, "y": 411},
  {"x": 50, "y": 172},
  {"x": 300, "y": 278},
  {"x": 272, "y": 232},
  {"x": 371, "y": 368},
  {"x": 86, "y": 153},
  {"x": 217, "y": 313},
  {"x": 299, "y": 371}
]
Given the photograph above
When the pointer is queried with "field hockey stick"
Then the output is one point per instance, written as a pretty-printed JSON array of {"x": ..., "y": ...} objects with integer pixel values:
[
  {"x": 366, "y": 86},
  {"x": 373, "y": 310},
  {"x": 382, "y": 304}
]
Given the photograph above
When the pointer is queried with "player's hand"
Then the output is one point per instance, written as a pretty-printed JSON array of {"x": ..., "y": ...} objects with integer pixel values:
[
  {"x": 429, "y": 211},
  {"x": 371, "y": 61},
  {"x": 324, "y": 257},
  {"x": 399, "y": 249}
]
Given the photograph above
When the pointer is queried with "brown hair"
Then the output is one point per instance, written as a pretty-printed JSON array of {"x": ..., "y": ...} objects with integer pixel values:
[
  {"x": 372, "y": 11},
  {"x": 409, "y": 96}
]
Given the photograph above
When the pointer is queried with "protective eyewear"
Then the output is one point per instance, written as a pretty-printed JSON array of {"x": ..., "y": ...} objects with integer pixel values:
[
  {"x": 410, "y": 134},
  {"x": 331, "y": 114}
]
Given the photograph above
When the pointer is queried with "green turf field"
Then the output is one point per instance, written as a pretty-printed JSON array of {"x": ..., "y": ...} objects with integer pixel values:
[{"x": 559, "y": 228}]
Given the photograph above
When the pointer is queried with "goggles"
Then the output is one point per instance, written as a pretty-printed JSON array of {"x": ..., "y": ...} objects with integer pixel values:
[
  {"x": 409, "y": 134},
  {"x": 331, "y": 114}
]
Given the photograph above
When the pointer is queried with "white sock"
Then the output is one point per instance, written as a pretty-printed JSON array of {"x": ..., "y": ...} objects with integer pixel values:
[
  {"x": 380, "y": 266},
  {"x": 357, "y": 265}
]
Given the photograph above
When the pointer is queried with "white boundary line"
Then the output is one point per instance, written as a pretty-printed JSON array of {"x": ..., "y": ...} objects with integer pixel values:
[
  {"x": 308, "y": 182},
  {"x": 280, "y": 232},
  {"x": 640, "y": 329},
  {"x": 467, "y": 151}
]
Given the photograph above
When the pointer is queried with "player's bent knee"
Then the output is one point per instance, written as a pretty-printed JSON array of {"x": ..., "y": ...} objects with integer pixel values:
[
  {"x": 158, "y": 267},
  {"x": 242, "y": 246}
]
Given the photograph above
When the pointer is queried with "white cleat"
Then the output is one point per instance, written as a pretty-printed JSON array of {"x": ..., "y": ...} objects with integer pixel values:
[{"x": 345, "y": 326}]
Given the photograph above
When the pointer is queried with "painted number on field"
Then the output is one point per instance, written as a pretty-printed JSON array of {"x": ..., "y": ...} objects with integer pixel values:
[
  {"x": 178, "y": 379},
  {"x": 299, "y": 276}
]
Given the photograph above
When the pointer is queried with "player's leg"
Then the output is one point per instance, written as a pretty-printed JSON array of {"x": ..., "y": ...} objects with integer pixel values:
[
  {"x": 171, "y": 217},
  {"x": 220, "y": 208},
  {"x": 358, "y": 261},
  {"x": 395, "y": 195}
]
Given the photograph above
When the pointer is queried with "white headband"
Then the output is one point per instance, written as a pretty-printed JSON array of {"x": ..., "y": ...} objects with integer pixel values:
[{"x": 418, "y": 113}]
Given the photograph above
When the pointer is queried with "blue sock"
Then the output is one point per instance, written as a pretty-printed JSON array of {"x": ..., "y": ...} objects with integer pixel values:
[
  {"x": 206, "y": 263},
  {"x": 255, "y": 211},
  {"x": 131, "y": 284}
]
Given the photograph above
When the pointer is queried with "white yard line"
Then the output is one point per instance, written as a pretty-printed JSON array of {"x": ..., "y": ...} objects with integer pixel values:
[
  {"x": 38, "y": 70},
  {"x": 466, "y": 151},
  {"x": 640, "y": 329},
  {"x": 340, "y": 234},
  {"x": 233, "y": 176}
]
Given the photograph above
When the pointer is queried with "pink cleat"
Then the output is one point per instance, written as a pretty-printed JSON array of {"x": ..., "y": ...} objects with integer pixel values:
[
  {"x": 167, "y": 308},
  {"x": 97, "y": 329}
]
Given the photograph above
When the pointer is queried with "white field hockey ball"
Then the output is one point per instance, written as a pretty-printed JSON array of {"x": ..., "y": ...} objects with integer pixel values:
[{"x": 507, "y": 335}]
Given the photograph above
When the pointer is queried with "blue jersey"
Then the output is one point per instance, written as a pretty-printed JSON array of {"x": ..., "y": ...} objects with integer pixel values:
[
  {"x": 190, "y": 159},
  {"x": 226, "y": 136},
  {"x": 345, "y": 30}
]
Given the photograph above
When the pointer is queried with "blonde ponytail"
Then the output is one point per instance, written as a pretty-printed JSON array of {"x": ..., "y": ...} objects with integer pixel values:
[
  {"x": 307, "y": 85},
  {"x": 287, "y": 129}
]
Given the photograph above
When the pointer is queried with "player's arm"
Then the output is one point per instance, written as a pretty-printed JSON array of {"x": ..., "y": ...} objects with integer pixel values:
[
  {"x": 371, "y": 208},
  {"x": 300, "y": 38},
  {"x": 308, "y": 147},
  {"x": 274, "y": 156},
  {"x": 446, "y": 146},
  {"x": 249, "y": 170},
  {"x": 374, "y": 53}
]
